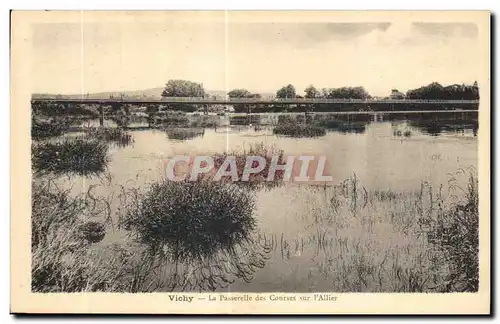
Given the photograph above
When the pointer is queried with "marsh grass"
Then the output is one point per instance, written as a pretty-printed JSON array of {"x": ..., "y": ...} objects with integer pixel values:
[
  {"x": 197, "y": 235},
  {"x": 171, "y": 119},
  {"x": 42, "y": 128},
  {"x": 204, "y": 121},
  {"x": 342, "y": 125},
  {"x": 79, "y": 156},
  {"x": 383, "y": 241},
  {"x": 59, "y": 247},
  {"x": 299, "y": 130},
  {"x": 189, "y": 237},
  {"x": 255, "y": 180},
  {"x": 456, "y": 234},
  {"x": 115, "y": 135},
  {"x": 184, "y": 133},
  {"x": 193, "y": 219}
]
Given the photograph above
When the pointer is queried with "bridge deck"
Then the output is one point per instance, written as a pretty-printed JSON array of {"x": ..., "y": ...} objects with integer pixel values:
[{"x": 231, "y": 101}]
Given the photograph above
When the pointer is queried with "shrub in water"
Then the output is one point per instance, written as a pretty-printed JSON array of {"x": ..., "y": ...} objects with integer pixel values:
[
  {"x": 192, "y": 220},
  {"x": 74, "y": 156},
  {"x": 171, "y": 118},
  {"x": 184, "y": 133},
  {"x": 115, "y": 135},
  {"x": 258, "y": 179},
  {"x": 299, "y": 130},
  {"x": 44, "y": 128}
]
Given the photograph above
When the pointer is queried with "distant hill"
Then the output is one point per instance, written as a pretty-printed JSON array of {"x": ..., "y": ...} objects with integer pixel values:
[{"x": 151, "y": 93}]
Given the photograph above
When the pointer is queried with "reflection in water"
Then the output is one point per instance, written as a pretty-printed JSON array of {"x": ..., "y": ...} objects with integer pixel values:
[{"x": 436, "y": 128}]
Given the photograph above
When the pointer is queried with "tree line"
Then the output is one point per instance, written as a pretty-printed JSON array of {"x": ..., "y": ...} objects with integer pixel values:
[{"x": 433, "y": 91}]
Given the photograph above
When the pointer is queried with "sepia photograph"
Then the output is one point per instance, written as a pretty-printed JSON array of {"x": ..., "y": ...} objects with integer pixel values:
[{"x": 235, "y": 158}]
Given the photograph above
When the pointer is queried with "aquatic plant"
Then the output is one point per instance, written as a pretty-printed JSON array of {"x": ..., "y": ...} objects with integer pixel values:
[
  {"x": 299, "y": 130},
  {"x": 49, "y": 127},
  {"x": 184, "y": 133},
  {"x": 381, "y": 240},
  {"x": 171, "y": 118},
  {"x": 116, "y": 135},
  {"x": 259, "y": 179},
  {"x": 204, "y": 121},
  {"x": 342, "y": 126},
  {"x": 79, "y": 156},
  {"x": 192, "y": 220}
]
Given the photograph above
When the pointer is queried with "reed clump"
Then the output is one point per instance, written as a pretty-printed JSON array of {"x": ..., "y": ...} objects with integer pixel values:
[
  {"x": 191, "y": 220},
  {"x": 258, "y": 179},
  {"x": 299, "y": 130},
  {"x": 60, "y": 249},
  {"x": 184, "y": 133},
  {"x": 42, "y": 128},
  {"x": 116, "y": 135},
  {"x": 79, "y": 156}
]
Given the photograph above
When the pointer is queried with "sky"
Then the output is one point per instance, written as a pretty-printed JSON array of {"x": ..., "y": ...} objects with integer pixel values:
[{"x": 87, "y": 57}]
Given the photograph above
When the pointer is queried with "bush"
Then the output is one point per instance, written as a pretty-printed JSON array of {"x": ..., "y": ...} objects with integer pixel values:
[
  {"x": 73, "y": 156},
  {"x": 299, "y": 130},
  {"x": 192, "y": 220}
]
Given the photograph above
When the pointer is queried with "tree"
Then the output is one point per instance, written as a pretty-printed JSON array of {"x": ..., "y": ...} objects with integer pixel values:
[
  {"x": 346, "y": 93},
  {"x": 239, "y": 93},
  {"x": 312, "y": 92},
  {"x": 243, "y": 93},
  {"x": 286, "y": 92},
  {"x": 436, "y": 91},
  {"x": 183, "y": 88}
]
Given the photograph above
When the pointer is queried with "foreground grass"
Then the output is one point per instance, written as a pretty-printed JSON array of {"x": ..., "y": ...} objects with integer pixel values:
[
  {"x": 342, "y": 238},
  {"x": 222, "y": 248}
]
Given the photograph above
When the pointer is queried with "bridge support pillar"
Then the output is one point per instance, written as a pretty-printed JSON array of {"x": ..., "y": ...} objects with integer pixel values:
[{"x": 101, "y": 115}]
